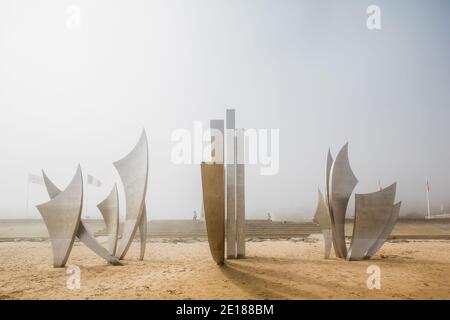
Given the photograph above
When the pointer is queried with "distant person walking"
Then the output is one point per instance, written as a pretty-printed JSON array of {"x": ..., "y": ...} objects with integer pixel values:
[
  {"x": 195, "y": 215},
  {"x": 269, "y": 217}
]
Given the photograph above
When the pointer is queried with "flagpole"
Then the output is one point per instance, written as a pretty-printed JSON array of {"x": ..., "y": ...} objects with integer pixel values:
[{"x": 428, "y": 199}]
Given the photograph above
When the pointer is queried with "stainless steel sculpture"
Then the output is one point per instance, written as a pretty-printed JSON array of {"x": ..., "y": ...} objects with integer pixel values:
[
  {"x": 342, "y": 182},
  {"x": 143, "y": 232},
  {"x": 228, "y": 148},
  {"x": 82, "y": 232},
  {"x": 322, "y": 218},
  {"x": 373, "y": 213},
  {"x": 213, "y": 186},
  {"x": 109, "y": 208},
  {"x": 231, "y": 182},
  {"x": 329, "y": 165},
  {"x": 133, "y": 171},
  {"x": 217, "y": 141},
  {"x": 386, "y": 231},
  {"x": 52, "y": 190},
  {"x": 62, "y": 217},
  {"x": 240, "y": 193}
]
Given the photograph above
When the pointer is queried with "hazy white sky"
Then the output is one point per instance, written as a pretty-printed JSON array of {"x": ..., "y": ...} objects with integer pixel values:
[{"x": 309, "y": 68}]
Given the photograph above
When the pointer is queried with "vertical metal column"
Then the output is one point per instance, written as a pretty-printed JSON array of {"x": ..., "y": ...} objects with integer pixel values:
[
  {"x": 217, "y": 142},
  {"x": 240, "y": 192},
  {"x": 231, "y": 183}
]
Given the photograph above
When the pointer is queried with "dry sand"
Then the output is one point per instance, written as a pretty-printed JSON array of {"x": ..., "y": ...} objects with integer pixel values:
[{"x": 276, "y": 269}]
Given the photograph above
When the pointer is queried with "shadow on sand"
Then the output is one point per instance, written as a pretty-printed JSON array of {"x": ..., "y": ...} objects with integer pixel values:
[{"x": 266, "y": 278}]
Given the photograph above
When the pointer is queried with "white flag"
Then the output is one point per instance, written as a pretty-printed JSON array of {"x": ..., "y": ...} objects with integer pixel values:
[
  {"x": 94, "y": 181},
  {"x": 35, "y": 179}
]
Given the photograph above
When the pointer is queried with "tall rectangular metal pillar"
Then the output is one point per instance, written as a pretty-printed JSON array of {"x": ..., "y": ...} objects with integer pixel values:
[
  {"x": 231, "y": 182},
  {"x": 240, "y": 193},
  {"x": 217, "y": 141}
]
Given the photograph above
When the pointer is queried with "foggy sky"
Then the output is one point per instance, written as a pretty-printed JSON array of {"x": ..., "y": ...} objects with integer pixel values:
[{"x": 308, "y": 68}]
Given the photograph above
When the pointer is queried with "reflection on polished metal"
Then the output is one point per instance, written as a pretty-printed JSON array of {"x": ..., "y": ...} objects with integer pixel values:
[
  {"x": 109, "y": 208},
  {"x": 133, "y": 171},
  {"x": 62, "y": 217},
  {"x": 213, "y": 186},
  {"x": 386, "y": 231},
  {"x": 322, "y": 218},
  {"x": 231, "y": 183},
  {"x": 342, "y": 182},
  {"x": 240, "y": 193},
  {"x": 373, "y": 212},
  {"x": 82, "y": 232}
]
